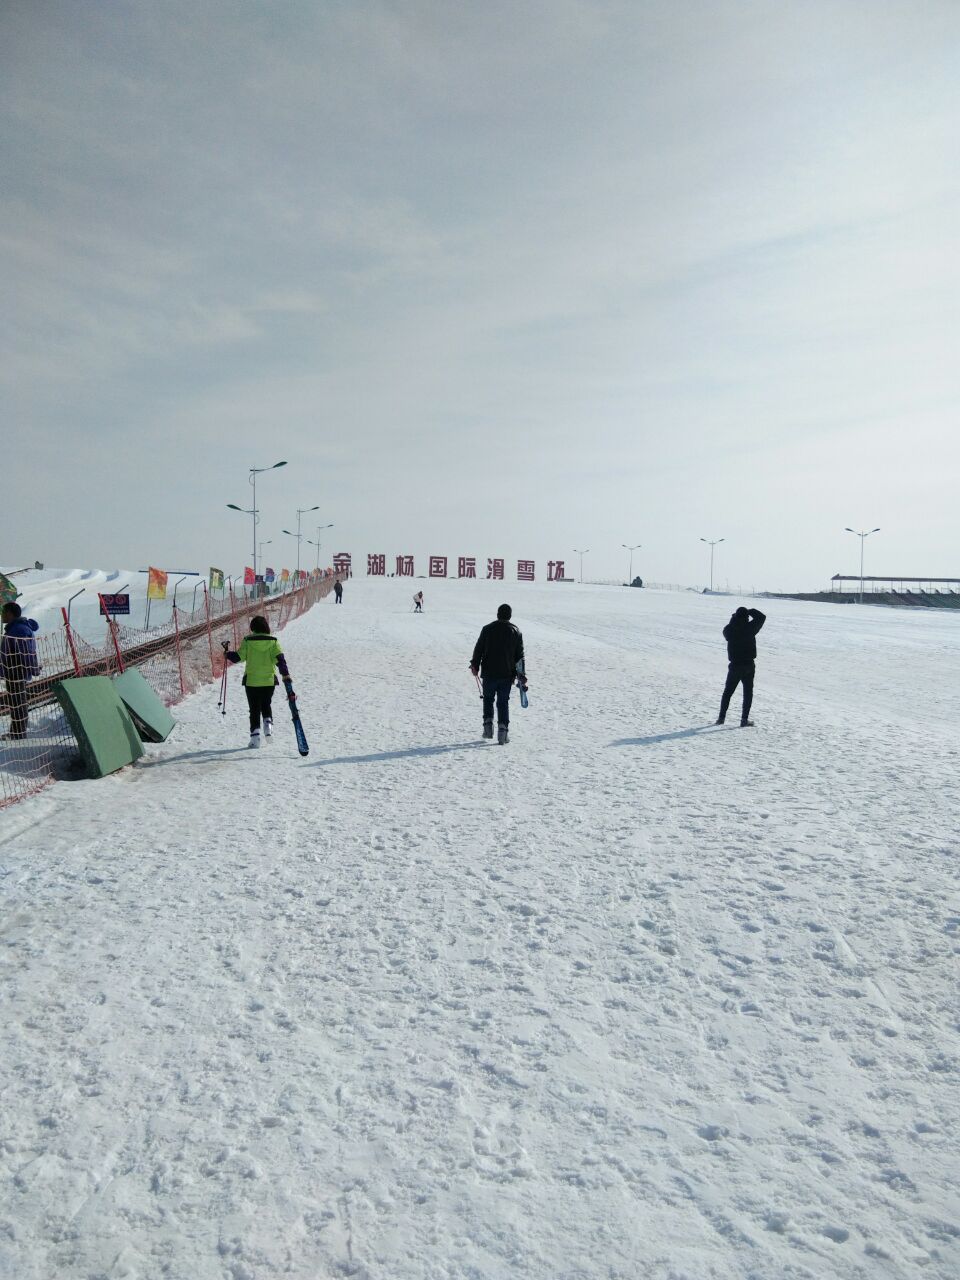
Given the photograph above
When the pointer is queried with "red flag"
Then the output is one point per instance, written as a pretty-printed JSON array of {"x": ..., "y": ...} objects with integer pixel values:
[{"x": 248, "y": 578}]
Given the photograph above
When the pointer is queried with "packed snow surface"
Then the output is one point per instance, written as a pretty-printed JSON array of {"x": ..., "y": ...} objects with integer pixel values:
[
  {"x": 630, "y": 997},
  {"x": 44, "y": 592}
]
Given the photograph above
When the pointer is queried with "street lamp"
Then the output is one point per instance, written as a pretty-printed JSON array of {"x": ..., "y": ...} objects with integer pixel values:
[
  {"x": 298, "y": 535},
  {"x": 252, "y": 511},
  {"x": 265, "y": 543},
  {"x": 711, "y": 545},
  {"x": 631, "y": 550},
  {"x": 310, "y": 541},
  {"x": 863, "y": 537},
  {"x": 581, "y": 554}
]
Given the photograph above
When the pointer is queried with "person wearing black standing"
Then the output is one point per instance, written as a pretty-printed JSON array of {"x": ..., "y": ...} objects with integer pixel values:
[
  {"x": 498, "y": 661},
  {"x": 740, "y": 634},
  {"x": 338, "y": 591}
]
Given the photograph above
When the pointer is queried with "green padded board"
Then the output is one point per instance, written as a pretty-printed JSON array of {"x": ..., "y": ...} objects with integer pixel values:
[
  {"x": 105, "y": 733},
  {"x": 154, "y": 722}
]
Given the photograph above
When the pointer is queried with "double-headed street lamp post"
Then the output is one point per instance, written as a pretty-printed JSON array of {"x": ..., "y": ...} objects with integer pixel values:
[
  {"x": 252, "y": 511},
  {"x": 298, "y": 535},
  {"x": 631, "y": 550},
  {"x": 711, "y": 545},
  {"x": 863, "y": 537},
  {"x": 311, "y": 543},
  {"x": 581, "y": 554}
]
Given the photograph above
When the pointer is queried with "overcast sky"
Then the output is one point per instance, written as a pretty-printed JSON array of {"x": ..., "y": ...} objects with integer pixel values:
[{"x": 494, "y": 278}]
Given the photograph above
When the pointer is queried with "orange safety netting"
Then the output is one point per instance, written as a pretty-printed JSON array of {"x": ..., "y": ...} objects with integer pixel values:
[{"x": 38, "y": 745}]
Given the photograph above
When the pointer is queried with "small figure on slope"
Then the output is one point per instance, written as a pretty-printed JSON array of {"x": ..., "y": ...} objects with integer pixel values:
[
  {"x": 338, "y": 591},
  {"x": 18, "y": 664},
  {"x": 262, "y": 656},
  {"x": 497, "y": 658},
  {"x": 740, "y": 634},
  {"x": 418, "y": 602}
]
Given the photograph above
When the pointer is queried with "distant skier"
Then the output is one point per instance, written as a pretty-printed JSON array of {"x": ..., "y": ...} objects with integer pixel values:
[
  {"x": 740, "y": 634},
  {"x": 418, "y": 602},
  {"x": 18, "y": 664},
  {"x": 261, "y": 653},
  {"x": 338, "y": 591},
  {"x": 496, "y": 655}
]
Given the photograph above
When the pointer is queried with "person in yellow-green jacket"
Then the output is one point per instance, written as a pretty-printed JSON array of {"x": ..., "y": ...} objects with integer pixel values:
[{"x": 263, "y": 657}]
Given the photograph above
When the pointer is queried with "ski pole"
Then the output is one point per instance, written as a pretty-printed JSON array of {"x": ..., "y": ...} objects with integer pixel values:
[{"x": 223, "y": 681}]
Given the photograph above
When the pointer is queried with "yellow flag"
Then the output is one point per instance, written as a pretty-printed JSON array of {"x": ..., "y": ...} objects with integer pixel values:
[{"x": 156, "y": 585}]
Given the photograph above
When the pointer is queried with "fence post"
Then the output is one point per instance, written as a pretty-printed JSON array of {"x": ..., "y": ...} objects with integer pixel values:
[
  {"x": 112, "y": 626},
  {"x": 233, "y": 617},
  {"x": 73, "y": 647},
  {"x": 176, "y": 631},
  {"x": 206, "y": 605}
]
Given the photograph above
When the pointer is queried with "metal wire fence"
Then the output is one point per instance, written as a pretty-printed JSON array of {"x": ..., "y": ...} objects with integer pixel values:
[{"x": 38, "y": 745}]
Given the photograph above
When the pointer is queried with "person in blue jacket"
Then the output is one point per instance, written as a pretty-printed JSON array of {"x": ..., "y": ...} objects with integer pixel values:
[{"x": 18, "y": 664}]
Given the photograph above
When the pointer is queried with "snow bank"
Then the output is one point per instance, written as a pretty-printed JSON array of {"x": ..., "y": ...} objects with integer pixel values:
[{"x": 630, "y": 997}]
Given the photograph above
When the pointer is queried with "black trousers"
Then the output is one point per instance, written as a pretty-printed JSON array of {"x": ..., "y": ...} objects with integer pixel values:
[
  {"x": 17, "y": 701},
  {"x": 259, "y": 700},
  {"x": 738, "y": 673},
  {"x": 499, "y": 689}
]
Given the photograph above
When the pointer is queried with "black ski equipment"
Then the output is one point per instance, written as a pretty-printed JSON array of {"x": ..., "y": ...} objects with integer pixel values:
[
  {"x": 302, "y": 745},
  {"x": 522, "y": 685}
]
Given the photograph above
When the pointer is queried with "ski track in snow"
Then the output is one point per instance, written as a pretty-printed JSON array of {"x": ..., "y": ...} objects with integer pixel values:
[{"x": 632, "y": 996}]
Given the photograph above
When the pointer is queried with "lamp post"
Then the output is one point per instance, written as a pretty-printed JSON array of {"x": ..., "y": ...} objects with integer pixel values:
[
  {"x": 298, "y": 535},
  {"x": 581, "y": 554},
  {"x": 252, "y": 511},
  {"x": 265, "y": 543},
  {"x": 631, "y": 550},
  {"x": 248, "y": 511},
  {"x": 310, "y": 541},
  {"x": 863, "y": 537},
  {"x": 711, "y": 545}
]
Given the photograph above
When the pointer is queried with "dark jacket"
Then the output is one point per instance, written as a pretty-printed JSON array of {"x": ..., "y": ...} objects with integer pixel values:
[
  {"x": 498, "y": 650},
  {"x": 740, "y": 634},
  {"x": 18, "y": 650}
]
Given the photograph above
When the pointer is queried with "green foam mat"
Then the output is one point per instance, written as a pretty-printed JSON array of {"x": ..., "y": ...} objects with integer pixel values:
[
  {"x": 105, "y": 733},
  {"x": 154, "y": 722}
]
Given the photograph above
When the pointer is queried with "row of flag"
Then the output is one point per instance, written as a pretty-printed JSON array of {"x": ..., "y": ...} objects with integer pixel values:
[{"x": 157, "y": 579}]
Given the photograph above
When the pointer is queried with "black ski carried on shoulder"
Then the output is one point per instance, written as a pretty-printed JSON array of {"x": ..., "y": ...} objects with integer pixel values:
[{"x": 302, "y": 745}]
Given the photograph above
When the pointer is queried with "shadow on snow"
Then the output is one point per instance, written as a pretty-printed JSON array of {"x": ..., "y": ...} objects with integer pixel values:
[
  {"x": 375, "y": 757},
  {"x": 667, "y": 737},
  {"x": 208, "y": 756}
]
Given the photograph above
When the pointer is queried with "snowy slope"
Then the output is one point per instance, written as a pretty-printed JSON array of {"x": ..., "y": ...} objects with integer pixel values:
[
  {"x": 629, "y": 997},
  {"x": 44, "y": 592}
]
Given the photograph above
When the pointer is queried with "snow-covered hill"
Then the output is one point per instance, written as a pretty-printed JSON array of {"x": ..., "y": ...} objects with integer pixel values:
[
  {"x": 45, "y": 591},
  {"x": 630, "y": 997}
]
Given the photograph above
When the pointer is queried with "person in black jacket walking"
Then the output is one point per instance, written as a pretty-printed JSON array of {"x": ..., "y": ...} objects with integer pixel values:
[
  {"x": 496, "y": 654},
  {"x": 740, "y": 634}
]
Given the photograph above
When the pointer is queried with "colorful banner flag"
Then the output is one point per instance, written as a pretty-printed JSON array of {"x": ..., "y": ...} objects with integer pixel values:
[
  {"x": 156, "y": 584},
  {"x": 269, "y": 575},
  {"x": 248, "y": 577},
  {"x": 216, "y": 579},
  {"x": 8, "y": 591},
  {"x": 284, "y": 575}
]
